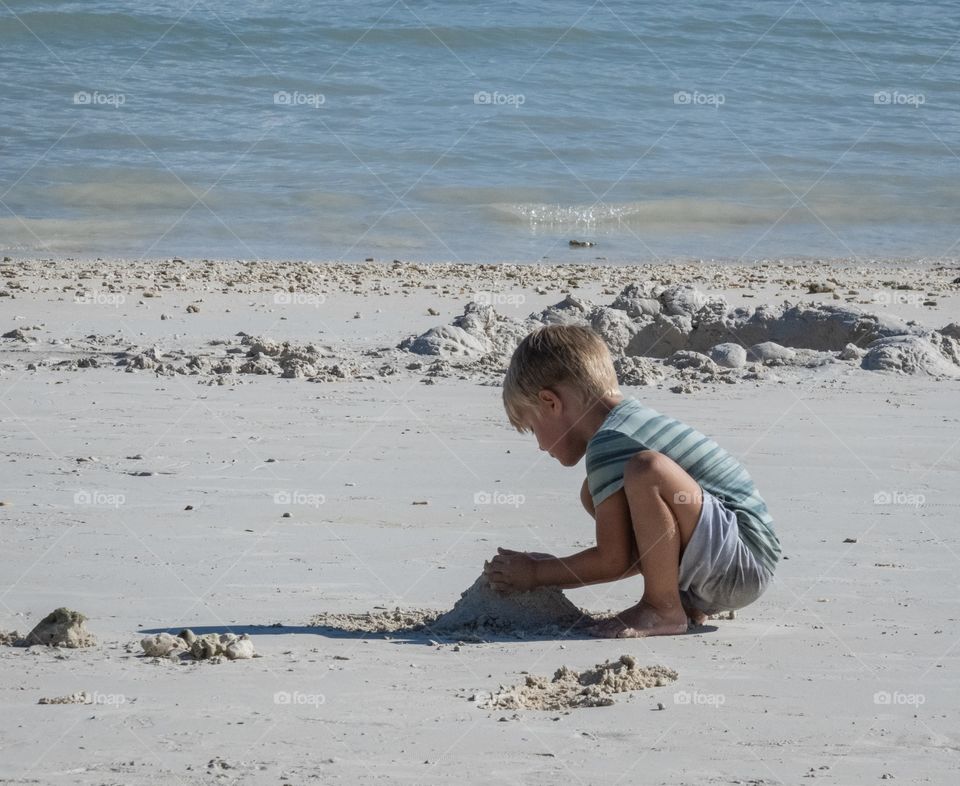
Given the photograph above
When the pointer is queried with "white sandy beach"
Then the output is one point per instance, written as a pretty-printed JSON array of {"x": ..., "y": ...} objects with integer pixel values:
[{"x": 401, "y": 475}]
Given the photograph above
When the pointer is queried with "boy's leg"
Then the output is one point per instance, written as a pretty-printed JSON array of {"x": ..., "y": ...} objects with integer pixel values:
[{"x": 665, "y": 505}]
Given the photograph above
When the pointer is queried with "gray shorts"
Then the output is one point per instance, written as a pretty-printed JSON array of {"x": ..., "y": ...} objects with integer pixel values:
[{"x": 718, "y": 572}]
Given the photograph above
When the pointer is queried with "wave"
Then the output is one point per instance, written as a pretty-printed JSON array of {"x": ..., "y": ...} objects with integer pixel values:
[{"x": 679, "y": 213}]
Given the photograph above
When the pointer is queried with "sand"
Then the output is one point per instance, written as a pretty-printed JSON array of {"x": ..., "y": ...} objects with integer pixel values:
[
  {"x": 482, "y": 611},
  {"x": 80, "y": 697},
  {"x": 100, "y": 466},
  {"x": 687, "y": 328},
  {"x": 60, "y": 628},
  {"x": 9, "y": 638},
  {"x": 479, "y": 613},
  {"x": 570, "y": 689},
  {"x": 213, "y": 647},
  {"x": 652, "y": 325}
]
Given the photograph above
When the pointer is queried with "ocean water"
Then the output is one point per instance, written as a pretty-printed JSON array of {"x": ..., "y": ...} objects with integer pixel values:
[{"x": 480, "y": 131}]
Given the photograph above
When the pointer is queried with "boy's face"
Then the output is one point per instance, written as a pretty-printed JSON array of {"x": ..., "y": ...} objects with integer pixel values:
[{"x": 553, "y": 423}]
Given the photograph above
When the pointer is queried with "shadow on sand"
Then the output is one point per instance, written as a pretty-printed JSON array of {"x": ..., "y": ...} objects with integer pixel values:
[{"x": 406, "y": 636}]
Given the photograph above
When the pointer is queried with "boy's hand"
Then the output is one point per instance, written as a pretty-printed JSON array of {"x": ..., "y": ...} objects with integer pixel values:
[{"x": 512, "y": 571}]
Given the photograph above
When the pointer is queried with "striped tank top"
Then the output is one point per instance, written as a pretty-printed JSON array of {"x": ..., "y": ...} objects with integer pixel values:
[{"x": 631, "y": 427}]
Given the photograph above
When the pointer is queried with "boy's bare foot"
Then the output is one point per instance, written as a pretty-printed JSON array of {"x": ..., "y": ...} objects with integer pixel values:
[
  {"x": 642, "y": 620},
  {"x": 696, "y": 616}
]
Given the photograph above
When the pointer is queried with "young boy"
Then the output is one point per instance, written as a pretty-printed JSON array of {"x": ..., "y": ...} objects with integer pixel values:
[{"x": 669, "y": 503}]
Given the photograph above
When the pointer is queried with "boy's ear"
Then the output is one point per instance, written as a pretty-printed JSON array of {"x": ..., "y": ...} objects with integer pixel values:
[{"x": 549, "y": 398}]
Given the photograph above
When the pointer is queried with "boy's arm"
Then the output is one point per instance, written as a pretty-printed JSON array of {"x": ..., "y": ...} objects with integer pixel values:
[{"x": 612, "y": 558}]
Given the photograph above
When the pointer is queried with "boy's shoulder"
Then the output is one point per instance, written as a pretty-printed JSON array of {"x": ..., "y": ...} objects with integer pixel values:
[
  {"x": 626, "y": 418},
  {"x": 620, "y": 435}
]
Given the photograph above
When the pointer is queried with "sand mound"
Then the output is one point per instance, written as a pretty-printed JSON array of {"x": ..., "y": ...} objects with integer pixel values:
[
  {"x": 658, "y": 322},
  {"x": 61, "y": 628},
  {"x": 480, "y": 612},
  {"x": 569, "y": 689},
  {"x": 80, "y": 697},
  {"x": 387, "y": 621},
  {"x": 211, "y": 646},
  {"x": 478, "y": 331},
  {"x": 930, "y": 355},
  {"x": 10, "y": 638}
]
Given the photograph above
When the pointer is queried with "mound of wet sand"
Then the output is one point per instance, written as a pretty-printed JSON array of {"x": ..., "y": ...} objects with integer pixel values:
[
  {"x": 570, "y": 689},
  {"x": 480, "y": 612},
  {"x": 62, "y": 627}
]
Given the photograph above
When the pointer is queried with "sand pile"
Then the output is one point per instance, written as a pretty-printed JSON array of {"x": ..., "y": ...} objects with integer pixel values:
[
  {"x": 60, "y": 628},
  {"x": 935, "y": 354},
  {"x": 570, "y": 689},
  {"x": 481, "y": 610},
  {"x": 654, "y": 331},
  {"x": 10, "y": 638},
  {"x": 252, "y": 355},
  {"x": 385, "y": 621},
  {"x": 479, "y": 613},
  {"x": 187, "y": 644},
  {"x": 80, "y": 697},
  {"x": 479, "y": 331}
]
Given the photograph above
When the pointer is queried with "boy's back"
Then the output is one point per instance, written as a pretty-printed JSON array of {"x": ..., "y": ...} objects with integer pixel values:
[{"x": 631, "y": 427}]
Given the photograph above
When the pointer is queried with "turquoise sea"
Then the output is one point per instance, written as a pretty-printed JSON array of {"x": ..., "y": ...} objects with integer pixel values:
[{"x": 480, "y": 131}]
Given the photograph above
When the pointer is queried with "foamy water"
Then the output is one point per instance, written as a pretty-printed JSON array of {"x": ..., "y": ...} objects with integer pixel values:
[{"x": 493, "y": 131}]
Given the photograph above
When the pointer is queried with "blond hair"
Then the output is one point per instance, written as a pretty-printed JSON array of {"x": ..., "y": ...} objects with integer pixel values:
[{"x": 556, "y": 354}]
